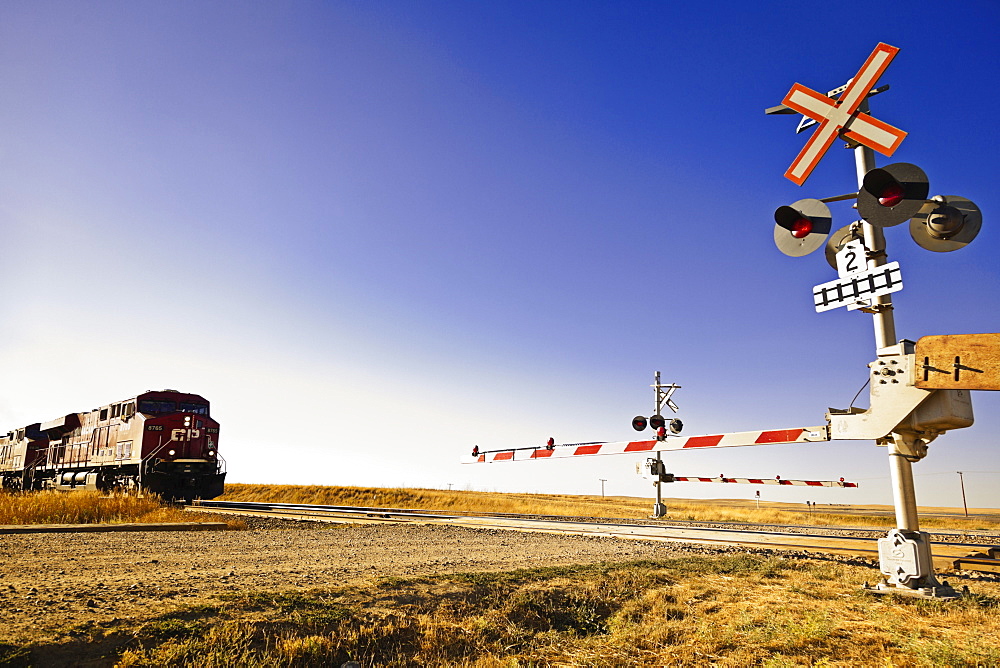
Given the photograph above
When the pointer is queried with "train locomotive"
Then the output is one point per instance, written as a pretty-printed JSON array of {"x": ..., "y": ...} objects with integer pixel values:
[{"x": 164, "y": 442}]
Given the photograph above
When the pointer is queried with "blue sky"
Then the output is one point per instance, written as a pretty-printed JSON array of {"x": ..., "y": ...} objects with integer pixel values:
[{"x": 375, "y": 234}]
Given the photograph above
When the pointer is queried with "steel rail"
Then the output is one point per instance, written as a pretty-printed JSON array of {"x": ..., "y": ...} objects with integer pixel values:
[
  {"x": 877, "y": 532},
  {"x": 973, "y": 556}
]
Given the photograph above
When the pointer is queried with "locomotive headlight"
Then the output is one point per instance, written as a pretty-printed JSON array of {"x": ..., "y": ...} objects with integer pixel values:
[
  {"x": 171, "y": 452},
  {"x": 211, "y": 453}
]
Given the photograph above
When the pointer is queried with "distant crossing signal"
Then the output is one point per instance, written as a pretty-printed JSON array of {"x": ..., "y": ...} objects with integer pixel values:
[{"x": 659, "y": 423}]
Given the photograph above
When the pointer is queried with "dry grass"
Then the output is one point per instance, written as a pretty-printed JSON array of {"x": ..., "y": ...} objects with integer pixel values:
[
  {"x": 577, "y": 506},
  {"x": 733, "y": 610},
  {"x": 50, "y": 507}
]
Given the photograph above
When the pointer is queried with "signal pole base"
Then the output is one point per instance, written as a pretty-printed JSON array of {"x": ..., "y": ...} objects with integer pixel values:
[
  {"x": 659, "y": 510},
  {"x": 907, "y": 567},
  {"x": 942, "y": 592}
]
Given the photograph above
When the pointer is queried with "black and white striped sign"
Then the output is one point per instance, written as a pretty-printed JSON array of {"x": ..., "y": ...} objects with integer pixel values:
[{"x": 861, "y": 287}]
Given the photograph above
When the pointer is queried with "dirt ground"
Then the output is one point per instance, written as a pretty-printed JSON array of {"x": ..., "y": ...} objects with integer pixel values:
[{"x": 51, "y": 583}]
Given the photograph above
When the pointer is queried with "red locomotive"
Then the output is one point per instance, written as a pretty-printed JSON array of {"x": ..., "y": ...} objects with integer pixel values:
[{"x": 163, "y": 442}]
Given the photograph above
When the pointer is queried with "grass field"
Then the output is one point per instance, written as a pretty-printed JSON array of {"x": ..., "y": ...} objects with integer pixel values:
[
  {"x": 49, "y": 507},
  {"x": 732, "y": 610},
  {"x": 735, "y": 609}
]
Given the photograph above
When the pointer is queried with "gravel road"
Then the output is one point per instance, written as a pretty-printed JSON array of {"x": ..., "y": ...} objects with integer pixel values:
[{"x": 50, "y": 583}]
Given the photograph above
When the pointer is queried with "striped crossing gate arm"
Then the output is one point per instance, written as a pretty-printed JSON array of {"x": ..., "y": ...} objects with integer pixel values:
[
  {"x": 731, "y": 440},
  {"x": 770, "y": 481}
]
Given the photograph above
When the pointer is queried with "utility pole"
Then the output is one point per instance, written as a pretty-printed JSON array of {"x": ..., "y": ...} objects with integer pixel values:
[
  {"x": 961, "y": 480},
  {"x": 603, "y": 480}
]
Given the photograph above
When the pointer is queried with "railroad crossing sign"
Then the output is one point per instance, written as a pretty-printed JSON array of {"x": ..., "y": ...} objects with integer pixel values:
[
  {"x": 859, "y": 289},
  {"x": 842, "y": 116}
]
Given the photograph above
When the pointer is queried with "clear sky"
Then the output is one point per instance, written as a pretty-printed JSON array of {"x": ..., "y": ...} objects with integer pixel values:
[{"x": 374, "y": 234}]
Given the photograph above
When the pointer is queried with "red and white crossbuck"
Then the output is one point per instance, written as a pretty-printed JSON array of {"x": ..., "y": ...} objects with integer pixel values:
[{"x": 841, "y": 117}]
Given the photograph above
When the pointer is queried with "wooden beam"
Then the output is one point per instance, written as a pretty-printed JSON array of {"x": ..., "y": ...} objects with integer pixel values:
[{"x": 958, "y": 362}]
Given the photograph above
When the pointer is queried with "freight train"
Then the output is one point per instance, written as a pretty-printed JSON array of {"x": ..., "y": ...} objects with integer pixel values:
[{"x": 164, "y": 442}]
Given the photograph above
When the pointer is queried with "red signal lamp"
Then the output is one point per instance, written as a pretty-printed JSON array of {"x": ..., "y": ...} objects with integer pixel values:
[
  {"x": 639, "y": 422},
  {"x": 801, "y": 228},
  {"x": 550, "y": 444},
  {"x": 891, "y": 194}
]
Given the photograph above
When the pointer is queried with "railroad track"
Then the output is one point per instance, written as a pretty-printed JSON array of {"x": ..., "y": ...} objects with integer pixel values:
[{"x": 947, "y": 555}]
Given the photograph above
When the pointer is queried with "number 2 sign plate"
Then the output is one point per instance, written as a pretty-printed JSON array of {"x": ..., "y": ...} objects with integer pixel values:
[
  {"x": 852, "y": 259},
  {"x": 859, "y": 283}
]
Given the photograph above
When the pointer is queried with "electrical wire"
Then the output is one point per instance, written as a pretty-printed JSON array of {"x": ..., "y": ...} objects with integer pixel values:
[{"x": 859, "y": 393}]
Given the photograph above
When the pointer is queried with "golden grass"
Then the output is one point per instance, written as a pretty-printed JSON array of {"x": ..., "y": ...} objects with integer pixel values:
[
  {"x": 81, "y": 507},
  {"x": 577, "y": 506},
  {"x": 732, "y": 610}
]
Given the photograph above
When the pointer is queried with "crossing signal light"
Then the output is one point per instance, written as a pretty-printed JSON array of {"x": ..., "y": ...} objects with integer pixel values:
[
  {"x": 946, "y": 223},
  {"x": 839, "y": 239},
  {"x": 659, "y": 423},
  {"x": 801, "y": 227},
  {"x": 550, "y": 444},
  {"x": 893, "y": 194}
]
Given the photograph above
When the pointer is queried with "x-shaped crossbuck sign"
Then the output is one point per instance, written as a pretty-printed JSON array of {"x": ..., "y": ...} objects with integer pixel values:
[{"x": 841, "y": 116}]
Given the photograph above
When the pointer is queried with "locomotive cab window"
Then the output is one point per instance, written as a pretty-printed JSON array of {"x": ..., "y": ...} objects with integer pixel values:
[
  {"x": 150, "y": 406},
  {"x": 104, "y": 413},
  {"x": 199, "y": 409}
]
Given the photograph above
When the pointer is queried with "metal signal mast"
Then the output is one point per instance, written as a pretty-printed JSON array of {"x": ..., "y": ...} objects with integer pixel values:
[{"x": 909, "y": 408}]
